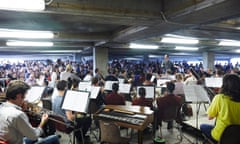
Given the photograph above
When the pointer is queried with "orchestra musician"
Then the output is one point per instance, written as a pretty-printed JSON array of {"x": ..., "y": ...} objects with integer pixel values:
[
  {"x": 114, "y": 98},
  {"x": 167, "y": 100},
  {"x": 15, "y": 127},
  {"x": 82, "y": 121},
  {"x": 225, "y": 107},
  {"x": 142, "y": 100}
]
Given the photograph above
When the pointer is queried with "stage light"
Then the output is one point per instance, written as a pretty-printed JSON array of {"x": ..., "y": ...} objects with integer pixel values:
[
  {"x": 186, "y": 48},
  {"x": 229, "y": 43},
  {"x": 22, "y": 5},
  {"x": 13, "y": 33},
  {"x": 179, "y": 40},
  {"x": 29, "y": 43},
  {"x": 142, "y": 46}
]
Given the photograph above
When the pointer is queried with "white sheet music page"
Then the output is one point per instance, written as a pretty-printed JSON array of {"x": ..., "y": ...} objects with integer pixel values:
[
  {"x": 108, "y": 85},
  {"x": 195, "y": 93},
  {"x": 76, "y": 101},
  {"x": 34, "y": 94},
  {"x": 150, "y": 91},
  {"x": 162, "y": 82},
  {"x": 84, "y": 86},
  {"x": 124, "y": 88},
  {"x": 94, "y": 92},
  {"x": 213, "y": 82}
]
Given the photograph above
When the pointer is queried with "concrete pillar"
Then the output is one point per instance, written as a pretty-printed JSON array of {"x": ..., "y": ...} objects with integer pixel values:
[
  {"x": 145, "y": 58},
  {"x": 208, "y": 60},
  {"x": 100, "y": 59}
]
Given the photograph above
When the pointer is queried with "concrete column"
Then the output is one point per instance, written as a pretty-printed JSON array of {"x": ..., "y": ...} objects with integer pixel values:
[
  {"x": 100, "y": 59},
  {"x": 208, "y": 60},
  {"x": 145, "y": 58}
]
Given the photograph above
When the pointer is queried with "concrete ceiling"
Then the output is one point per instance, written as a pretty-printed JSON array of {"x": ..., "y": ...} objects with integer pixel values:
[{"x": 80, "y": 25}]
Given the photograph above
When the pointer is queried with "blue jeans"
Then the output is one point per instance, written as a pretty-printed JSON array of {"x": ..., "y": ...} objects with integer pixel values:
[
  {"x": 206, "y": 130},
  {"x": 53, "y": 139}
]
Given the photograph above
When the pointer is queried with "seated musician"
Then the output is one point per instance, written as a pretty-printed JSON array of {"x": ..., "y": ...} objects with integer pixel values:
[
  {"x": 225, "y": 107},
  {"x": 81, "y": 120},
  {"x": 166, "y": 101},
  {"x": 114, "y": 98},
  {"x": 15, "y": 127},
  {"x": 142, "y": 100},
  {"x": 99, "y": 101}
]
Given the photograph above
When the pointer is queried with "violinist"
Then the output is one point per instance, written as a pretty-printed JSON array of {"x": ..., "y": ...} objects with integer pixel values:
[{"x": 15, "y": 127}]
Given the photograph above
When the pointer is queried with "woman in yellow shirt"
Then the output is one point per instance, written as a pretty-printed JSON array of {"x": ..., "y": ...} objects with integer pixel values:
[{"x": 225, "y": 107}]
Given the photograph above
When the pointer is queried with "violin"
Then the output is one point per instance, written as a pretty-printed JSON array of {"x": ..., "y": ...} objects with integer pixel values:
[{"x": 55, "y": 121}]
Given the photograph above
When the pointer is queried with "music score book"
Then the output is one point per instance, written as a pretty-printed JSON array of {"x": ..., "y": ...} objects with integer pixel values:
[
  {"x": 94, "y": 92},
  {"x": 76, "y": 101},
  {"x": 213, "y": 82},
  {"x": 195, "y": 94},
  {"x": 34, "y": 94}
]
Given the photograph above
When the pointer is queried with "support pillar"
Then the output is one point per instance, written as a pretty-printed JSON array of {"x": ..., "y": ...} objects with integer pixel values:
[
  {"x": 208, "y": 60},
  {"x": 100, "y": 59}
]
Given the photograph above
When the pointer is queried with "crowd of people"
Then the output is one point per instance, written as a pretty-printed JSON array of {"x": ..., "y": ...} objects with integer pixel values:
[{"x": 17, "y": 79}]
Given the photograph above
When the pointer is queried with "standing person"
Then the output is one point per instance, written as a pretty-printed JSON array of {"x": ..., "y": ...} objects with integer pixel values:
[
  {"x": 82, "y": 121},
  {"x": 225, "y": 107},
  {"x": 167, "y": 64},
  {"x": 15, "y": 127}
]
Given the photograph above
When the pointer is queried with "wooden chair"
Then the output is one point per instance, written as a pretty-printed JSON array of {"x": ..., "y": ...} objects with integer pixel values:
[
  {"x": 230, "y": 135},
  {"x": 110, "y": 133}
]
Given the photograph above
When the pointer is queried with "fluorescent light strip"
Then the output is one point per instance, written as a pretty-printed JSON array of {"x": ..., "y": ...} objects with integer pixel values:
[
  {"x": 229, "y": 43},
  {"x": 23, "y": 5},
  {"x": 238, "y": 51},
  {"x": 8, "y": 33},
  {"x": 186, "y": 48},
  {"x": 141, "y": 46},
  {"x": 179, "y": 41},
  {"x": 29, "y": 43}
]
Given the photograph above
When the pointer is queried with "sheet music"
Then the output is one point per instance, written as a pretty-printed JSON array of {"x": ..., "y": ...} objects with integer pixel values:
[
  {"x": 121, "y": 80},
  {"x": 108, "y": 85},
  {"x": 124, "y": 88},
  {"x": 162, "y": 82},
  {"x": 76, "y": 101},
  {"x": 152, "y": 78},
  {"x": 34, "y": 94},
  {"x": 84, "y": 86},
  {"x": 195, "y": 93},
  {"x": 94, "y": 92},
  {"x": 150, "y": 91},
  {"x": 213, "y": 82}
]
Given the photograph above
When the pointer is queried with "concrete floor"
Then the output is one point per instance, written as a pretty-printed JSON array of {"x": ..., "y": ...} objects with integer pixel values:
[{"x": 190, "y": 135}]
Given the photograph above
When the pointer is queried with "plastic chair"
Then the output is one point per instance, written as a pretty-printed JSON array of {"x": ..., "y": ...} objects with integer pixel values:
[
  {"x": 230, "y": 135},
  {"x": 110, "y": 133}
]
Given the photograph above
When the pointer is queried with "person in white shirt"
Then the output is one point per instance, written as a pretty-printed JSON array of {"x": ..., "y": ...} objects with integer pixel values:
[{"x": 15, "y": 127}]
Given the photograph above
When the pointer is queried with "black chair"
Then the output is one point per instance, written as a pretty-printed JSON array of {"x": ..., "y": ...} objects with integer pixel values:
[{"x": 230, "y": 135}]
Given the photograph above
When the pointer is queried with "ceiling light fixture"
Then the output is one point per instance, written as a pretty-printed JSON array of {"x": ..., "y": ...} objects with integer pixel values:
[
  {"x": 229, "y": 43},
  {"x": 13, "y": 33},
  {"x": 179, "y": 40},
  {"x": 22, "y": 5},
  {"x": 142, "y": 46},
  {"x": 29, "y": 43},
  {"x": 186, "y": 48}
]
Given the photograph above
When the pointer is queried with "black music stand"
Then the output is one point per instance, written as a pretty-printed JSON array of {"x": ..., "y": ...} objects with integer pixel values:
[
  {"x": 76, "y": 101},
  {"x": 196, "y": 94}
]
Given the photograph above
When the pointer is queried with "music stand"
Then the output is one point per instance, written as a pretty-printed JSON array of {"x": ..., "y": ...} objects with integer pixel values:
[
  {"x": 76, "y": 101},
  {"x": 34, "y": 94},
  {"x": 196, "y": 94},
  {"x": 150, "y": 91}
]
